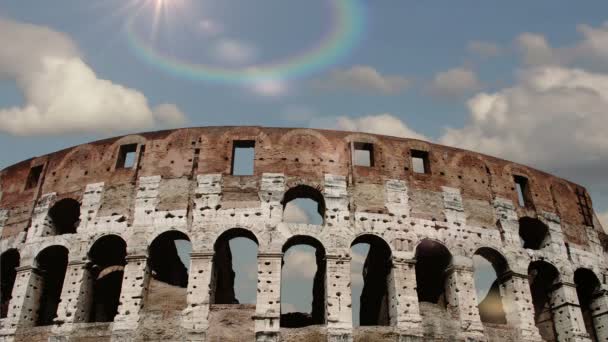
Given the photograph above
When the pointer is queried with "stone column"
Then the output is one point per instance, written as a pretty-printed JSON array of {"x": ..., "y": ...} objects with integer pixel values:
[
  {"x": 518, "y": 306},
  {"x": 405, "y": 312},
  {"x": 132, "y": 292},
  {"x": 268, "y": 304},
  {"x": 195, "y": 317},
  {"x": 23, "y": 308},
  {"x": 567, "y": 315},
  {"x": 462, "y": 299},
  {"x": 339, "y": 299},
  {"x": 76, "y": 294},
  {"x": 599, "y": 312}
]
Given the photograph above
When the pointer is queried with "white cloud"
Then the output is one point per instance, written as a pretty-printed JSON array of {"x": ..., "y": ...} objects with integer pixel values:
[
  {"x": 270, "y": 88},
  {"x": 363, "y": 78},
  {"x": 455, "y": 82},
  {"x": 535, "y": 49},
  {"x": 62, "y": 93},
  {"x": 299, "y": 263},
  {"x": 484, "y": 49},
  {"x": 385, "y": 124},
  {"x": 293, "y": 213},
  {"x": 233, "y": 51},
  {"x": 209, "y": 27}
]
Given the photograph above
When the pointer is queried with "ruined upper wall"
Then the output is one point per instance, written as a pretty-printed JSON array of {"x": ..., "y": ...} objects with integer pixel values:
[{"x": 302, "y": 155}]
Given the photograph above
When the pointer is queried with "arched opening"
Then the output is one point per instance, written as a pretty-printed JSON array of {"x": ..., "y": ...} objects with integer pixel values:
[
  {"x": 587, "y": 286},
  {"x": 235, "y": 267},
  {"x": 533, "y": 233},
  {"x": 489, "y": 270},
  {"x": 108, "y": 260},
  {"x": 542, "y": 276},
  {"x": 65, "y": 216},
  {"x": 303, "y": 282},
  {"x": 51, "y": 265},
  {"x": 169, "y": 261},
  {"x": 303, "y": 204},
  {"x": 370, "y": 269},
  {"x": 9, "y": 261},
  {"x": 432, "y": 261}
]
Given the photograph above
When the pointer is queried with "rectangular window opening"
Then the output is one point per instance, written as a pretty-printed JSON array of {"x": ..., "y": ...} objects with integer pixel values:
[
  {"x": 33, "y": 177},
  {"x": 243, "y": 155},
  {"x": 126, "y": 156},
  {"x": 420, "y": 161},
  {"x": 521, "y": 186},
  {"x": 363, "y": 154}
]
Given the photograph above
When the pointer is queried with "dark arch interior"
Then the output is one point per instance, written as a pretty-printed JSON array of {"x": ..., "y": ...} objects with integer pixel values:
[
  {"x": 223, "y": 273},
  {"x": 9, "y": 261},
  {"x": 165, "y": 262},
  {"x": 301, "y": 192},
  {"x": 432, "y": 261},
  {"x": 108, "y": 258},
  {"x": 65, "y": 215},
  {"x": 52, "y": 263},
  {"x": 542, "y": 276},
  {"x": 587, "y": 285},
  {"x": 491, "y": 308},
  {"x": 317, "y": 314},
  {"x": 374, "y": 306},
  {"x": 533, "y": 232}
]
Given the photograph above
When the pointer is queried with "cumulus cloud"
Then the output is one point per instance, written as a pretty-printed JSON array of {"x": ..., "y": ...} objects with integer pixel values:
[
  {"x": 535, "y": 49},
  {"x": 295, "y": 214},
  {"x": 300, "y": 263},
  {"x": 385, "y": 124},
  {"x": 484, "y": 49},
  {"x": 270, "y": 88},
  {"x": 455, "y": 82},
  {"x": 233, "y": 51},
  {"x": 62, "y": 94},
  {"x": 361, "y": 78}
]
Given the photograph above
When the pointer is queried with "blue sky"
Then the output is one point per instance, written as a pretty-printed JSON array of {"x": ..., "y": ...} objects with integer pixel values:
[{"x": 522, "y": 80}]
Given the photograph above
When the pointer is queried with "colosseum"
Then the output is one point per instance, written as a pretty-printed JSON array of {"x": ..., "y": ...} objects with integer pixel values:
[{"x": 89, "y": 241}]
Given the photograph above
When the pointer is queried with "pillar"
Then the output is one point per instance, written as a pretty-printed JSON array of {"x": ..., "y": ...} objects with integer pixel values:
[
  {"x": 518, "y": 305},
  {"x": 567, "y": 315},
  {"x": 462, "y": 300},
  {"x": 76, "y": 294},
  {"x": 599, "y": 312},
  {"x": 339, "y": 298},
  {"x": 268, "y": 304},
  {"x": 404, "y": 309},
  {"x": 132, "y": 292},
  {"x": 23, "y": 308},
  {"x": 195, "y": 317}
]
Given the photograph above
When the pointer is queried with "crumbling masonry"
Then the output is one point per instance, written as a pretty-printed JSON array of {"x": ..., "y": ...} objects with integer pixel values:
[{"x": 89, "y": 238}]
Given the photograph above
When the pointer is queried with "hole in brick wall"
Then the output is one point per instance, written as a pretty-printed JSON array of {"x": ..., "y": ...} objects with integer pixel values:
[
  {"x": 542, "y": 276},
  {"x": 370, "y": 268},
  {"x": 235, "y": 268},
  {"x": 432, "y": 262},
  {"x": 524, "y": 197},
  {"x": 363, "y": 154},
  {"x": 303, "y": 282},
  {"x": 65, "y": 216},
  {"x": 108, "y": 259},
  {"x": 33, "y": 177},
  {"x": 420, "y": 161},
  {"x": 243, "y": 156},
  {"x": 489, "y": 266},
  {"x": 533, "y": 233},
  {"x": 9, "y": 261},
  {"x": 126, "y": 156},
  {"x": 587, "y": 289},
  {"x": 51, "y": 263},
  {"x": 170, "y": 258},
  {"x": 303, "y": 204}
]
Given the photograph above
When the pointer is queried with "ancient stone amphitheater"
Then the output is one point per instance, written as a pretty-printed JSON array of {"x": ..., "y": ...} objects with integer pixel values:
[{"x": 89, "y": 253}]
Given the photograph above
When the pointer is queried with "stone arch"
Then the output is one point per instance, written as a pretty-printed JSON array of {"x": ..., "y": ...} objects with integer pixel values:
[
  {"x": 9, "y": 261},
  {"x": 64, "y": 216},
  {"x": 108, "y": 259},
  {"x": 432, "y": 262},
  {"x": 302, "y": 195},
  {"x": 533, "y": 232},
  {"x": 374, "y": 306},
  {"x": 490, "y": 265},
  {"x": 75, "y": 166},
  {"x": 223, "y": 274},
  {"x": 164, "y": 260},
  {"x": 542, "y": 277},
  {"x": 317, "y": 314},
  {"x": 51, "y": 265},
  {"x": 588, "y": 287}
]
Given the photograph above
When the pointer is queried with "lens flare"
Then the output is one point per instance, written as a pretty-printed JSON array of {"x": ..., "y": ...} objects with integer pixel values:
[{"x": 346, "y": 28}]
